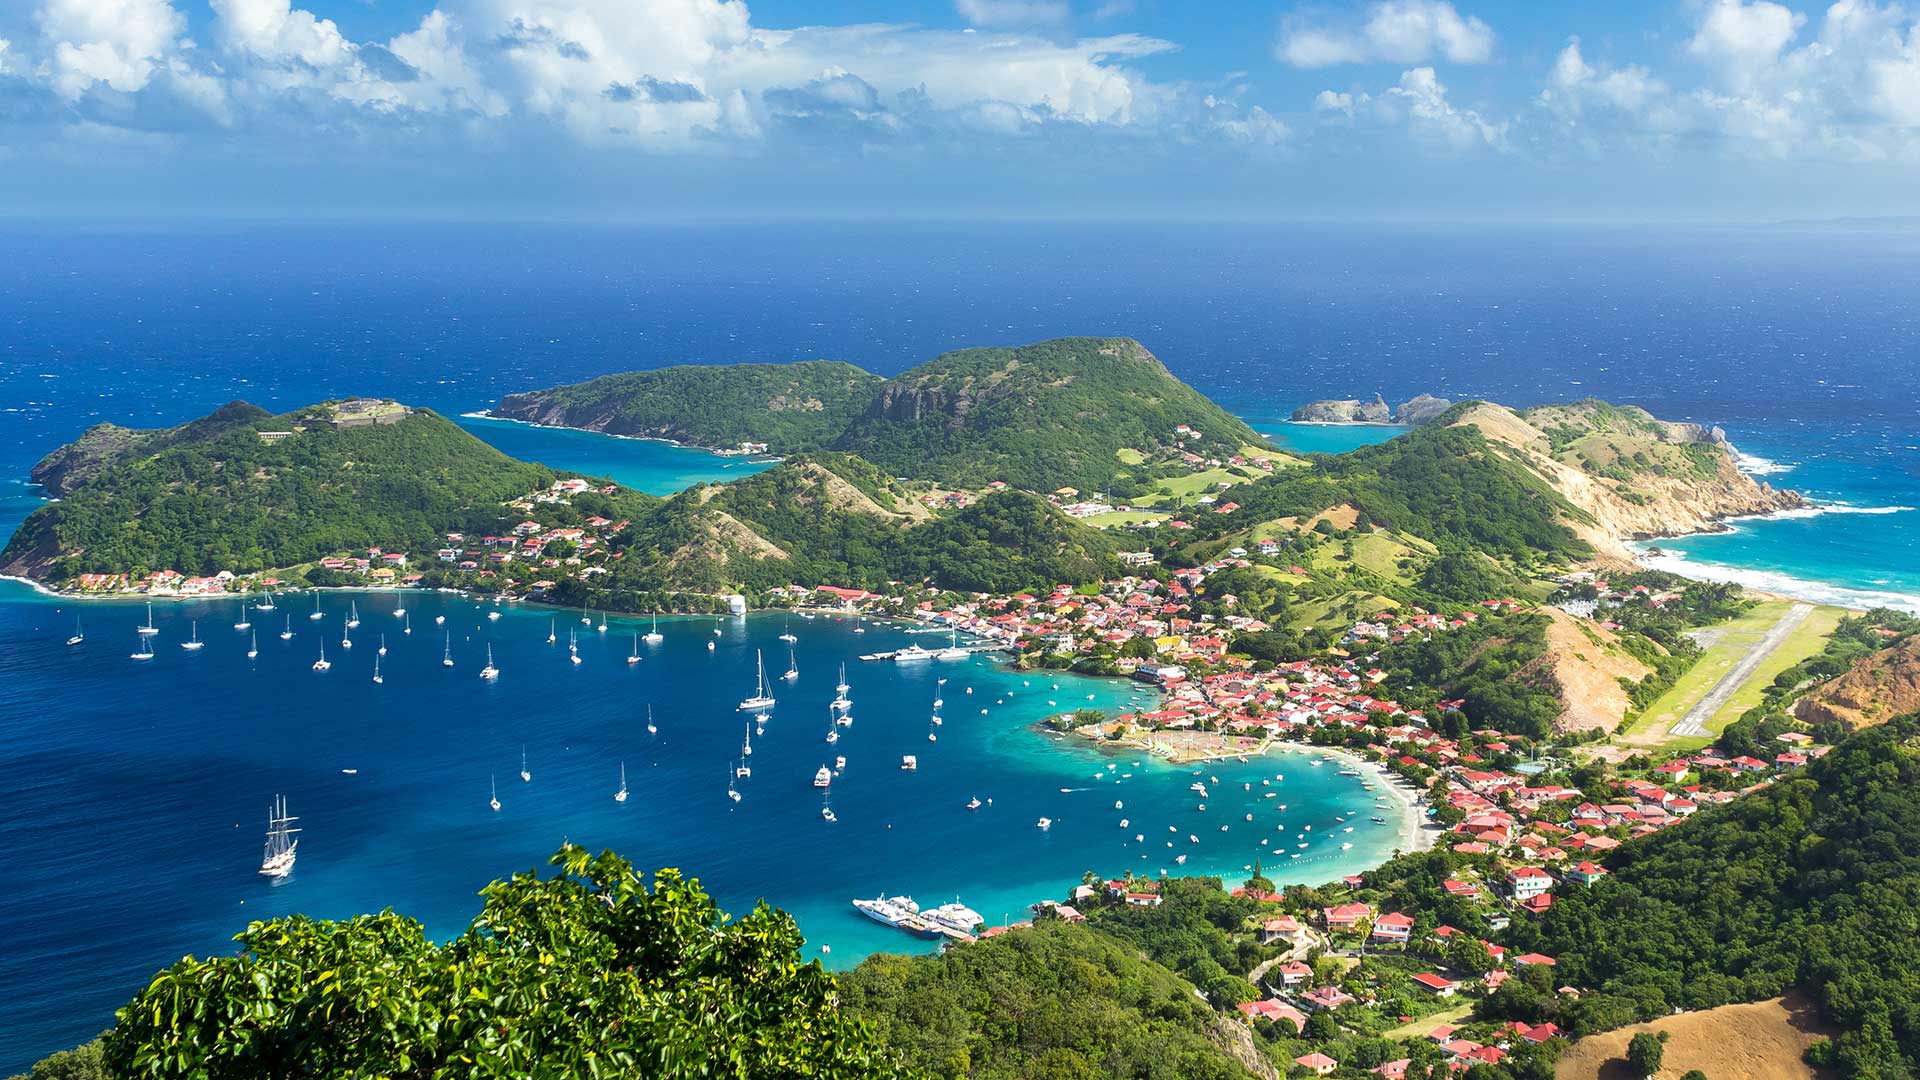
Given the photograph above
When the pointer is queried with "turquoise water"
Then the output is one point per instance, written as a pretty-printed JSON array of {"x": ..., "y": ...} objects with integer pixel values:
[
  {"x": 1325, "y": 438},
  {"x": 657, "y": 468}
]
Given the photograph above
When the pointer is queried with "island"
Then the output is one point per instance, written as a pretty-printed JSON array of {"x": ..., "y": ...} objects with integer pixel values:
[
  {"x": 1455, "y": 615},
  {"x": 1420, "y": 409}
]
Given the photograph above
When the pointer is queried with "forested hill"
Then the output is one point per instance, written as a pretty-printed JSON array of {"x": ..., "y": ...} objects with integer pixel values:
[
  {"x": 790, "y": 407},
  {"x": 243, "y": 496},
  {"x": 1812, "y": 883},
  {"x": 1057, "y": 413},
  {"x": 105, "y": 445}
]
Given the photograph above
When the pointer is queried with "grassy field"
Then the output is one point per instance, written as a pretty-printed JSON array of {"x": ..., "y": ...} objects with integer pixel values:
[
  {"x": 1378, "y": 552},
  {"x": 1761, "y": 1041},
  {"x": 1419, "y": 1028},
  {"x": 1726, "y": 645},
  {"x": 1114, "y": 518}
]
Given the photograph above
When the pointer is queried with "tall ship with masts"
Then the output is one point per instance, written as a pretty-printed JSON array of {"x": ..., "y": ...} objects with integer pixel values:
[{"x": 277, "y": 859}]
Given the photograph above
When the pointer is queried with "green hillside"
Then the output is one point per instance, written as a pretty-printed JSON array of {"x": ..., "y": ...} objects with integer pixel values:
[
  {"x": 1811, "y": 884},
  {"x": 227, "y": 499},
  {"x": 1039, "y": 417},
  {"x": 104, "y": 445},
  {"x": 790, "y": 407}
]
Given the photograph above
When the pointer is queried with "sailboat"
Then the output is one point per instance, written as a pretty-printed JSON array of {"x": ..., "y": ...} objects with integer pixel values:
[
  {"x": 841, "y": 687},
  {"x": 408, "y": 628},
  {"x": 793, "y": 666},
  {"x": 953, "y": 651},
  {"x": 276, "y": 861},
  {"x": 287, "y": 634},
  {"x": 346, "y": 636},
  {"x": 621, "y": 795},
  {"x": 787, "y": 634},
  {"x": 573, "y": 646},
  {"x": 489, "y": 672},
  {"x": 654, "y": 636},
  {"x": 760, "y": 699},
  {"x": 399, "y": 610},
  {"x": 323, "y": 663},
  {"x": 833, "y": 726},
  {"x": 860, "y": 625},
  {"x": 79, "y": 635},
  {"x": 243, "y": 623},
  {"x": 586, "y": 617},
  {"x": 743, "y": 770},
  {"x": 253, "y": 648},
  {"x": 383, "y": 645},
  {"x": 145, "y": 651},
  {"x": 650, "y": 728},
  {"x": 524, "y": 774},
  {"x": 316, "y": 605},
  {"x": 493, "y": 800},
  {"x": 376, "y": 671},
  {"x": 553, "y": 631},
  {"x": 602, "y": 628},
  {"x": 353, "y": 614},
  {"x": 936, "y": 709},
  {"x": 732, "y": 792},
  {"x": 446, "y": 658},
  {"x": 634, "y": 656},
  {"x": 149, "y": 630},
  {"x": 439, "y": 620},
  {"x": 746, "y": 747},
  {"x": 265, "y": 604},
  {"x": 193, "y": 642}
]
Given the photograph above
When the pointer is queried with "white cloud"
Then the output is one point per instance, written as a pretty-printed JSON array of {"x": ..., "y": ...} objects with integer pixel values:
[
  {"x": 1743, "y": 39},
  {"x": 1394, "y": 31},
  {"x": 117, "y": 42},
  {"x": 1424, "y": 101},
  {"x": 275, "y": 31},
  {"x": 1331, "y": 101},
  {"x": 1575, "y": 87},
  {"x": 1013, "y": 13}
]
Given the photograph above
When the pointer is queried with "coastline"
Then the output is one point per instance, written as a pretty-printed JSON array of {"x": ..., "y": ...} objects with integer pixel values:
[{"x": 487, "y": 414}]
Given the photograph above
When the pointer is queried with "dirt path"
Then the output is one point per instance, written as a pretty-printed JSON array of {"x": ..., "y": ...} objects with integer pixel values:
[{"x": 1694, "y": 724}]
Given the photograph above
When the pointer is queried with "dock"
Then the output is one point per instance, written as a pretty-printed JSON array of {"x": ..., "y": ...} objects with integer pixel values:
[{"x": 871, "y": 657}]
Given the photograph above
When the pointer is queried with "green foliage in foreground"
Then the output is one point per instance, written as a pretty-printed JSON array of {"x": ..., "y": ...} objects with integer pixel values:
[
  {"x": 790, "y": 407},
  {"x": 1811, "y": 884},
  {"x": 233, "y": 502},
  {"x": 586, "y": 973},
  {"x": 1059, "y": 1002}
]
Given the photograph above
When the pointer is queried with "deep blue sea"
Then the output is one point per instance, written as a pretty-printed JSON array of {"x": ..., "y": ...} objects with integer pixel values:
[{"x": 132, "y": 826}]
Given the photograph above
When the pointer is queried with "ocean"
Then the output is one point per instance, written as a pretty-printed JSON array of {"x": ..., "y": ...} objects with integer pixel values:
[{"x": 136, "y": 809}]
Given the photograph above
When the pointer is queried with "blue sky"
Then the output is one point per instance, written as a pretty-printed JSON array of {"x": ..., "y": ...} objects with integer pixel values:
[{"x": 1680, "y": 110}]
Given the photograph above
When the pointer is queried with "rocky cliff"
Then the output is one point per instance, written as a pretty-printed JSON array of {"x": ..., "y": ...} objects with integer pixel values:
[
  {"x": 1877, "y": 688},
  {"x": 1421, "y": 409}
]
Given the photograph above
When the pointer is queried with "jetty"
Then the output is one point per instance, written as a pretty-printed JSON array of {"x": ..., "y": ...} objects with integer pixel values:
[{"x": 966, "y": 648}]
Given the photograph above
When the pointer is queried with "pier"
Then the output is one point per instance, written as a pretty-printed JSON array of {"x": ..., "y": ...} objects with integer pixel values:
[{"x": 969, "y": 648}]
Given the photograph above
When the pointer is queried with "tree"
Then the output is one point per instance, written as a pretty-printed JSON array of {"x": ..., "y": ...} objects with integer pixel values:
[
  {"x": 1694, "y": 1074},
  {"x": 582, "y": 973},
  {"x": 1645, "y": 1051}
]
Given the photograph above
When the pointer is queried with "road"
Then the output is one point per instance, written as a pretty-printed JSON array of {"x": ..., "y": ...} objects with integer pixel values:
[{"x": 1694, "y": 724}]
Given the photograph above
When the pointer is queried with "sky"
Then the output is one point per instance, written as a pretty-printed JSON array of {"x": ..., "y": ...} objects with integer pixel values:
[{"x": 687, "y": 110}]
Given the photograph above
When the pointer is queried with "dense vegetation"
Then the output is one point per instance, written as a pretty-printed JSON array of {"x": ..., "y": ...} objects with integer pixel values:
[
  {"x": 1488, "y": 666},
  {"x": 1809, "y": 884},
  {"x": 1876, "y": 634},
  {"x": 104, "y": 445},
  {"x": 1038, "y": 417},
  {"x": 230, "y": 501},
  {"x": 790, "y": 407},
  {"x": 1060, "y": 1002},
  {"x": 582, "y": 973}
]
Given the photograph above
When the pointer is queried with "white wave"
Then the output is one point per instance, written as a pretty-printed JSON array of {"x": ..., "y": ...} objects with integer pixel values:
[
  {"x": 1775, "y": 581},
  {"x": 1836, "y": 508},
  {"x": 1755, "y": 465}
]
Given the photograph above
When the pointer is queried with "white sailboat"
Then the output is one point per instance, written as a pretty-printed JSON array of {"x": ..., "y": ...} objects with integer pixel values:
[
  {"x": 408, "y": 628},
  {"x": 489, "y": 672},
  {"x": 243, "y": 623},
  {"x": 316, "y": 605},
  {"x": 573, "y": 646},
  {"x": 145, "y": 651},
  {"x": 399, "y": 610},
  {"x": 833, "y": 726},
  {"x": 276, "y": 860},
  {"x": 860, "y": 625},
  {"x": 602, "y": 628},
  {"x": 253, "y": 647},
  {"x": 493, "y": 799},
  {"x": 439, "y": 620},
  {"x": 634, "y": 656},
  {"x": 323, "y": 663},
  {"x": 346, "y": 636},
  {"x": 654, "y": 636},
  {"x": 149, "y": 629},
  {"x": 553, "y": 631},
  {"x": 651, "y": 730},
  {"x": 265, "y": 604},
  {"x": 732, "y": 792},
  {"x": 793, "y": 666},
  {"x": 287, "y": 634},
  {"x": 621, "y": 795},
  {"x": 446, "y": 658},
  {"x": 383, "y": 645},
  {"x": 525, "y": 776},
  {"x": 842, "y": 687},
  {"x": 376, "y": 671},
  {"x": 760, "y": 699},
  {"x": 586, "y": 617},
  {"x": 746, "y": 746},
  {"x": 353, "y": 613},
  {"x": 193, "y": 642},
  {"x": 787, "y": 634},
  {"x": 953, "y": 651},
  {"x": 79, "y": 635}
]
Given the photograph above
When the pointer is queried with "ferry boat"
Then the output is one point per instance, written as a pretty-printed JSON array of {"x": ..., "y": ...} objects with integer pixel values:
[
  {"x": 911, "y": 654},
  {"x": 823, "y": 778},
  {"x": 955, "y": 917},
  {"x": 760, "y": 699},
  {"x": 276, "y": 861},
  {"x": 899, "y": 912}
]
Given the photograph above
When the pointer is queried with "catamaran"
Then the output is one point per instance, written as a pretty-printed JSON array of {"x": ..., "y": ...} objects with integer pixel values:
[
  {"x": 265, "y": 604},
  {"x": 253, "y": 648},
  {"x": 323, "y": 663},
  {"x": 634, "y": 656},
  {"x": 953, "y": 651},
  {"x": 193, "y": 642},
  {"x": 654, "y": 636},
  {"x": 760, "y": 699},
  {"x": 287, "y": 634},
  {"x": 276, "y": 861},
  {"x": 145, "y": 651},
  {"x": 489, "y": 672},
  {"x": 243, "y": 623},
  {"x": 793, "y": 666},
  {"x": 316, "y": 605},
  {"x": 446, "y": 658},
  {"x": 353, "y": 614},
  {"x": 79, "y": 635},
  {"x": 743, "y": 771},
  {"x": 149, "y": 630},
  {"x": 621, "y": 795},
  {"x": 524, "y": 774},
  {"x": 376, "y": 670},
  {"x": 787, "y": 634},
  {"x": 493, "y": 799}
]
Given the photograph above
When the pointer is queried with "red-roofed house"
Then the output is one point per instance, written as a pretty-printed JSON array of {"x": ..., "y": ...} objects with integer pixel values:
[
  {"x": 1345, "y": 916},
  {"x": 1316, "y": 1063},
  {"x": 1275, "y": 1010},
  {"x": 1393, "y": 927},
  {"x": 1434, "y": 984}
]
